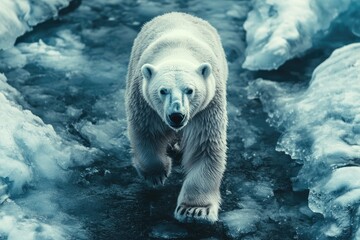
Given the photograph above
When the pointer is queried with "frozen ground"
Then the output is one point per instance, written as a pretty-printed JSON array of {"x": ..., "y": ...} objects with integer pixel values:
[
  {"x": 18, "y": 17},
  {"x": 280, "y": 30},
  {"x": 321, "y": 130},
  {"x": 65, "y": 169}
]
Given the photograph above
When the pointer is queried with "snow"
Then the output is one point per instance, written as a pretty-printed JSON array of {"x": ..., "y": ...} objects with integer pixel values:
[
  {"x": 17, "y": 223},
  {"x": 338, "y": 199},
  {"x": 19, "y": 16},
  {"x": 31, "y": 154},
  {"x": 277, "y": 30},
  {"x": 321, "y": 130},
  {"x": 27, "y": 144},
  {"x": 241, "y": 222}
]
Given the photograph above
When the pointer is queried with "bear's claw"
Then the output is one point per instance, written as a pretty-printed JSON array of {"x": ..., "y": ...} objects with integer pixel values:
[
  {"x": 200, "y": 214},
  {"x": 155, "y": 175},
  {"x": 155, "y": 180}
]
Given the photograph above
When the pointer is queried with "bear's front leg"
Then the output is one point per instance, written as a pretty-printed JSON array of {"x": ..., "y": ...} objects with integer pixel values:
[
  {"x": 204, "y": 160},
  {"x": 150, "y": 159}
]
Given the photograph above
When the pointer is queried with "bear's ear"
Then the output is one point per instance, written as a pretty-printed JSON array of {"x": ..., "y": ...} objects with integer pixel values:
[
  {"x": 205, "y": 70},
  {"x": 148, "y": 71}
]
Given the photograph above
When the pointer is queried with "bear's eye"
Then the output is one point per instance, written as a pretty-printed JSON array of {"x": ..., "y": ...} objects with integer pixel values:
[
  {"x": 189, "y": 91},
  {"x": 163, "y": 91}
]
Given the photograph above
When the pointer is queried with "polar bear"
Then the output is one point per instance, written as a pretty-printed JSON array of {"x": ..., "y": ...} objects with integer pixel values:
[{"x": 176, "y": 89}]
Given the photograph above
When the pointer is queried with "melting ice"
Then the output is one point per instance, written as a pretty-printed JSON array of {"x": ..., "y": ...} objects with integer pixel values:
[
  {"x": 18, "y": 17},
  {"x": 321, "y": 127},
  {"x": 281, "y": 30}
]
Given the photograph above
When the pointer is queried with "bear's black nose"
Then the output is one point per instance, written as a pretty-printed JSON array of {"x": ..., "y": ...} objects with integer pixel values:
[{"x": 176, "y": 118}]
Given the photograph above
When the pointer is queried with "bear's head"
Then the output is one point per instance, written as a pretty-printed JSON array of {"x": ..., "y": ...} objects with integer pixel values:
[{"x": 178, "y": 91}]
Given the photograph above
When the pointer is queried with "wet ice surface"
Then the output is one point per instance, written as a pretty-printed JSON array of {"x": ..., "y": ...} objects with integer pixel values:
[
  {"x": 281, "y": 30},
  {"x": 321, "y": 130},
  {"x": 18, "y": 17},
  {"x": 65, "y": 83}
]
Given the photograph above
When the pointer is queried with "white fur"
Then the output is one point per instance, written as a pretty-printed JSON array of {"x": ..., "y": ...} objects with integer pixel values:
[{"x": 178, "y": 65}]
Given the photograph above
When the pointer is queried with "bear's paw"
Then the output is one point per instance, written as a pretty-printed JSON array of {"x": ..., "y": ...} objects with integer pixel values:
[
  {"x": 154, "y": 179},
  {"x": 200, "y": 214},
  {"x": 155, "y": 175}
]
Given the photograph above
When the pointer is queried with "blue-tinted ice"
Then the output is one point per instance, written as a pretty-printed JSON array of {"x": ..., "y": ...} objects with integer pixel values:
[
  {"x": 321, "y": 126},
  {"x": 281, "y": 30}
]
